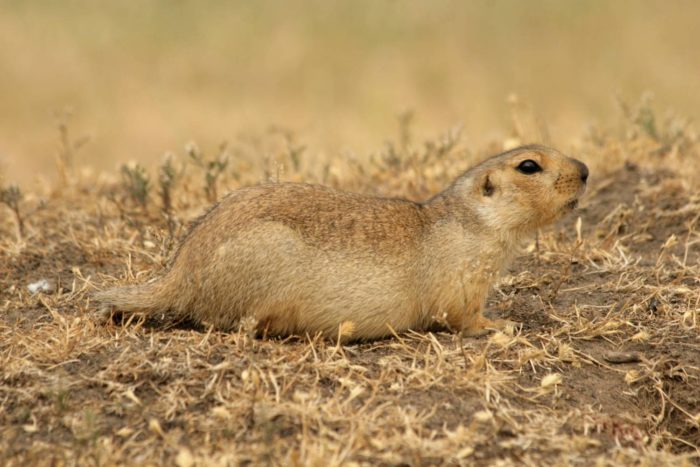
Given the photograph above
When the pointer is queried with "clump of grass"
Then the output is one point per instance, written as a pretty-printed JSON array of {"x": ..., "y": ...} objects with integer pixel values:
[
  {"x": 434, "y": 150},
  {"x": 671, "y": 134},
  {"x": 404, "y": 153},
  {"x": 11, "y": 196},
  {"x": 641, "y": 116},
  {"x": 137, "y": 183},
  {"x": 167, "y": 178},
  {"x": 415, "y": 165},
  {"x": 398, "y": 155},
  {"x": 295, "y": 151},
  {"x": 213, "y": 168},
  {"x": 60, "y": 397}
]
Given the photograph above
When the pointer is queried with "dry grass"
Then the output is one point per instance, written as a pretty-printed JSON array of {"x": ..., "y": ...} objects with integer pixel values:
[{"x": 621, "y": 283}]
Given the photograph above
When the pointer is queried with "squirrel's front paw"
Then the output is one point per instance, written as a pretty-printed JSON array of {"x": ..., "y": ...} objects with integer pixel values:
[{"x": 485, "y": 326}]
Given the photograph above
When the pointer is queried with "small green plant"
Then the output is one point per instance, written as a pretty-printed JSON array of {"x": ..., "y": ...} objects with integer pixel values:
[
  {"x": 404, "y": 154},
  {"x": 671, "y": 134},
  {"x": 60, "y": 399},
  {"x": 213, "y": 168},
  {"x": 87, "y": 427},
  {"x": 167, "y": 177},
  {"x": 398, "y": 155},
  {"x": 137, "y": 184},
  {"x": 295, "y": 151},
  {"x": 642, "y": 116},
  {"x": 443, "y": 146},
  {"x": 646, "y": 120},
  {"x": 12, "y": 196},
  {"x": 390, "y": 156}
]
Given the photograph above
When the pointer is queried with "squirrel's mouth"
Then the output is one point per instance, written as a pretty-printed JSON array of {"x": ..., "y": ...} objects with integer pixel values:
[{"x": 571, "y": 205}]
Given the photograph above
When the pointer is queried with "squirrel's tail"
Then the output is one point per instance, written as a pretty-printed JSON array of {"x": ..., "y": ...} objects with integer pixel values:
[{"x": 145, "y": 299}]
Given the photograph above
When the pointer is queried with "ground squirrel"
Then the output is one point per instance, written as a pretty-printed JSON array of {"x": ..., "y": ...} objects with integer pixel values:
[{"x": 301, "y": 258}]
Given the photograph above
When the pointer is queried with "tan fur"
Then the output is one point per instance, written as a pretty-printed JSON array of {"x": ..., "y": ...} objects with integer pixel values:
[{"x": 309, "y": 259}]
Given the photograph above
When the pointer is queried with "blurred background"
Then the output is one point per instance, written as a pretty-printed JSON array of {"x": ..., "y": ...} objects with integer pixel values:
[{"x": 136, "y": 79}]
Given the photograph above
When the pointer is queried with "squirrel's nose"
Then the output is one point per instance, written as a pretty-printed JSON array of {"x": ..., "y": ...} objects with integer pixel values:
[{"x": 583, "y": 171}]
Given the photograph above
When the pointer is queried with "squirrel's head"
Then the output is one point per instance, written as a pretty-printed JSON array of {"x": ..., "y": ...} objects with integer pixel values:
[{"x": 523, "y": 189}]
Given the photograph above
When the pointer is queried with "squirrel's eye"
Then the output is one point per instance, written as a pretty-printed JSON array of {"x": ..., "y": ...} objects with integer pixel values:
[{"x": 529, "y": 167}]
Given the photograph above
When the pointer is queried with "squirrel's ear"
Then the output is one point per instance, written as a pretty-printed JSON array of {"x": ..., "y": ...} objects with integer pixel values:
[{"x": 487, "y": 186}]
